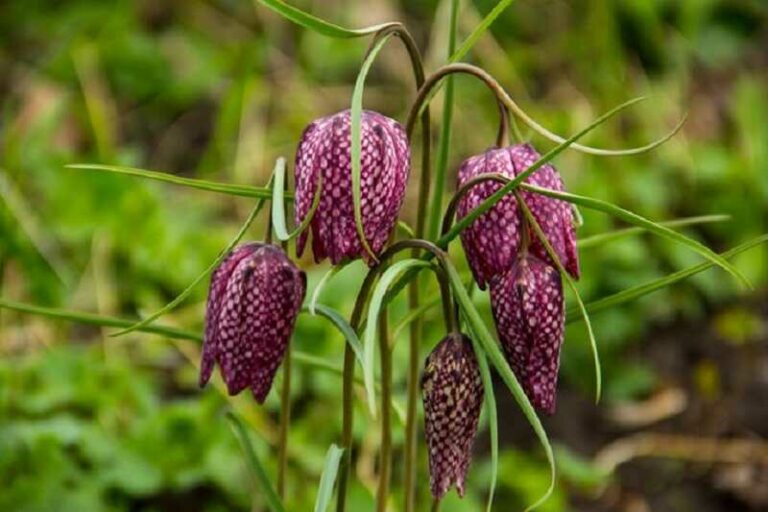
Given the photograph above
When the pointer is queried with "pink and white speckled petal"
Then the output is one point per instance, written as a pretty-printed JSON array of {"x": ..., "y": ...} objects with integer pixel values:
[
  {"x": 529, "y": 309},
  {"x": 385, "y": 159},
  {"x": 452, "y": 391}
]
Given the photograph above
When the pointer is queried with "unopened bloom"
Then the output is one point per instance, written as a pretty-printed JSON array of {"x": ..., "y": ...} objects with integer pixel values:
[
  {"x": 492, "y": 241},
  {"x": 385, "y": 164},
  {"x": 528, "y": 306},
  {"x": 253, "y": 301},
  {"x": 453, "y": 396}
]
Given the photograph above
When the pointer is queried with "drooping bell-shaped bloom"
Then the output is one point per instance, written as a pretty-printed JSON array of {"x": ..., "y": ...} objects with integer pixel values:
[
  {"x": 492, "y": 241},
  {"x": 453, "y": 397},
  {"x": 253, "y": 301},
  {"x": 385, "y": 164},
  {"x": 528, "y": 306}
]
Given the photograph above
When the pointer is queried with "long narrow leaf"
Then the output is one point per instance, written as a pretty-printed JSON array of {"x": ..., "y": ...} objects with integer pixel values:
[
  {"x": 491, "y": 348},
  {"x": 636, "y": 292},
  {"x": 343, "y": 326},
  {"x": 328, "y": 478},
  {"x": 493, "y": 420},
  {"x": 479, "y": 30},
  {"x": 611, "y": 236},
  {"x": 185, "y": 293},
  {"x": 444, "y": 142},
  {"x": 572, "y": 285},
  {"x": 356, "y": 113},
  {"x": 278, "y": 204},
  {"x": 254, "y": 464},
  {"x": 316, "y": 24},
  {"x": 211, "y": 186},
  {"x": 374, "y": 309},
  {"x": 653, "y": 227}
]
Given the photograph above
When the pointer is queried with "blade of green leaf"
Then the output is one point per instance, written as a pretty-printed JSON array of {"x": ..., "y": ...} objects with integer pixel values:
[
  {"x": 278, "y": 205},
  {"x": 492, "y": 351},
  {"x": 254, "y": 464},
  {"x": 356, "y": 113},
  {"x": 610, "y": 236},
  {"x": 479, "y": 30},
  {"x": 572, "y": 285},
  {"x": 321, "y": 285},
  {"x": 374, "y": 309},
  {"x": 185, "y": 293},
  {"x": 342, "y": 325},
  {"x": 653, "y": 227},
  {"x": 211, "y": 186},
  {"x": 328, "y": 478},
  {"x": 316, "y": 24},
  {"x": 444, "y": 142},
  {"x": 486, "y": 205},
  {"x": 493, "y": 420},
  {"x": 636, "y": 292}
]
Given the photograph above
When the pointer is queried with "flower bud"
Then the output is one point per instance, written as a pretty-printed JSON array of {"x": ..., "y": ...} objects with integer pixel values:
[
  {"x": 453, "y": 396},
  {"x": 385, "y": 164},
  {"x": 253, "y": 301},
  {"x": 492, "y": 241},
  {"x": 528, "y": 306}
]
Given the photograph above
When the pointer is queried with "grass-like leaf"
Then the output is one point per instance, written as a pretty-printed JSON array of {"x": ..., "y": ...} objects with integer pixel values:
[
  {"x": 572, "y": 285},
  {"x": 479, "y": 30},
  {"x": 328, "y": 478},
  {"x": 254, "y": 464},
  {"x": 185, "y": 293},
  {"x": 342, "y": 325},
  {"x": 492, "y": 351},
  {"x": 493, "y": 419},
  {"x": 278, "y": 204},
  {"x": 486, "y": 205},
  {"x": 653, "y": 227},
  {"x": 316, "y": 24},
  {"x": 444, "y": 142},
  {"x": 374, "y": 309},
  {"x": 356, "y": 113},
  {"x": 211, "y": 186},
  {"x": 636, "y": 292},
  {"x": 611, "y": 236}
]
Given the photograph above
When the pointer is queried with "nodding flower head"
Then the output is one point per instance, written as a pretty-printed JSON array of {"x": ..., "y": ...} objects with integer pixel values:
[
  {"x": 385, "y": 164},
  {"x": 527, "y": 304},
  {"x": 492, "y": 241},
  {"x": 453, "y": 396},
  {"x": 253, "y": 300}
]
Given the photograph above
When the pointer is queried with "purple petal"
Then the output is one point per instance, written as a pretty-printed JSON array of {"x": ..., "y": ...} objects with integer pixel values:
[
  {"x": 453, "y": 397},
  {"x": 528, "y": 306}
]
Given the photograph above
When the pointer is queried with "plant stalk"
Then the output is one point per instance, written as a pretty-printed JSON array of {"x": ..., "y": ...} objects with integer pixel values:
[
  {"x": 285, "y": 422},
  {"x": 385, "y": 454}
]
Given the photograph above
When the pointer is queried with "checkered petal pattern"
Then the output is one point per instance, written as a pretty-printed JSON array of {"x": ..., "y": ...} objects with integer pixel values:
[
  {"x": 385, "y": 158},
  {"x": 253, "y": 301},
  {"x": 528, "y": 306},
  {"x": 452, "y": 391},
  {"x": 492, "y": 241}
]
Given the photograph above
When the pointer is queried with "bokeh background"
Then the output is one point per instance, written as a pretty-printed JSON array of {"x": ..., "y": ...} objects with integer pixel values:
[{"x": 217, "y": 89}]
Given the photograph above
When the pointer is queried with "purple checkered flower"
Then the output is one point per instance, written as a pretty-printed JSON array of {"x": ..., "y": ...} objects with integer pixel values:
[
  {"x": 385, "y": 159},
  {"x": 453, "y": 396},
  {"x": 528, "y": 306},
  {"x": 253, "y": 301},
  {"x": 492, "y": 241}
]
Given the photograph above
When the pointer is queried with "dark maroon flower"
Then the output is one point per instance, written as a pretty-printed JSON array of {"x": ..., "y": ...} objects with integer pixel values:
[
  {"x": 528, "y": 306},
  {"x": 254, "y": 298},
  {"x": 453, "y": 396},
  {"x": 492, "y": 241},
  {"x": 385, "y": 158}
]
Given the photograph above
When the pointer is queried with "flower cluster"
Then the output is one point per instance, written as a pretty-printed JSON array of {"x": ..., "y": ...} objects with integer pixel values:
[{"x": 526, "y": 289}]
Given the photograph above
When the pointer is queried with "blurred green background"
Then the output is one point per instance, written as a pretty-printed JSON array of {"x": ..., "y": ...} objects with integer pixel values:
[{"x": 217, "y": 89}]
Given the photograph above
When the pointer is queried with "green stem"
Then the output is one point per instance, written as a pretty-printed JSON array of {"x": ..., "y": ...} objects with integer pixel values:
[
  {"x": 285, "y": 422},
  {"x": 385, "y": 455},
  {"x": 435, "y": 505}
]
